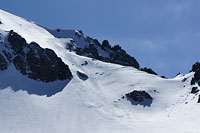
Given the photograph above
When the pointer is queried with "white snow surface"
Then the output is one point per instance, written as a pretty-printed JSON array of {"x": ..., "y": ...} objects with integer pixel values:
[{"x": 93, "y": 105}]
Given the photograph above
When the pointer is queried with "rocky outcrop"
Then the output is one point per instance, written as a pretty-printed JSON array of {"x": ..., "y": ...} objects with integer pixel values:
[
  {"x": 105, "y": 44},
  {"x": 148, "y": 70},
  {"x": 114, "y": 54},
  {"x": 194, "y": 90},
  {"x": 139, "y": 97},
  {"x": 86, "y": 46},
  {"x": 3, "y": 63},
  {"x": 119, "y": 56},
  {"x": 196, "y": 70},
  {"x": 198, "y": 99},
  {"x": 17, "y": 43},
  {"x": 196, "y": 67},
  {"x": 82, "y": 76},
  {"x": 32, "y": 60}
]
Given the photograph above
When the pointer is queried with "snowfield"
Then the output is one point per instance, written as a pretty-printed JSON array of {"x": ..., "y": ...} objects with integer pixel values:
[{"x": 94, "y": 105}]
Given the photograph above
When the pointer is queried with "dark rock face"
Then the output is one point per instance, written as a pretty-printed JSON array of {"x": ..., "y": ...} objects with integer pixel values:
[
  {"x": 192, "y": 81},
  {"x": 17, "y": 42},
  {"x": 198, "y": 99},
  {"x": 116, "y": 54},
  {"x": 82, "y": 76},
  {"x": 20, "y": 64},
  {"x": 196, "y": 69},
  {"x": 45, "y": 65},
  {"x": 197, "y": 76},
  {"x": 194, "y": 90},
  {"x": 35, "y": 62},
  {"x": 139, "y": 97},
  {"x": 3, "y": 63},
  {"x": 163, "y": 77},
  {"x": 105, "y": 44},
  {"x": 119, "y": 56},
  {"x": 148, "y": 70},
  {"x": 94, "y": 52}
]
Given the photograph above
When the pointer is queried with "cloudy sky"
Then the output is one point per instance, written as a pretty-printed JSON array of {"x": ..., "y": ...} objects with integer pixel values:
[{"x": 161, "y": 34}]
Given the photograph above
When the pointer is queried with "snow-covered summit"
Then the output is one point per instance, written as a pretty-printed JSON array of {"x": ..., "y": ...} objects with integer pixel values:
[{"x": 100, "y": 97}]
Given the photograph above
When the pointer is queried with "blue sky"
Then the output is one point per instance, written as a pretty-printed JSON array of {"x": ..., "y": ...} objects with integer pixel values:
[{"x": 162, "y": 35}]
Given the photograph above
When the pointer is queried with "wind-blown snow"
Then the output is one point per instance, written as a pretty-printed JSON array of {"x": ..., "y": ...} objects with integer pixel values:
[{"x": 93, "y": 105}]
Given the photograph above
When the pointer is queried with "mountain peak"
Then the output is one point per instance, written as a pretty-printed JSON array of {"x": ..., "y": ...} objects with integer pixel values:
[{"x": 60, "y": 81}]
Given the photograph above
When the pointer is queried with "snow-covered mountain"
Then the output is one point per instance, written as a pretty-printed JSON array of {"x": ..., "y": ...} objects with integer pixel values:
[
  {"x": 61, "y": 81},
  {"x": 89, "y": 47}
]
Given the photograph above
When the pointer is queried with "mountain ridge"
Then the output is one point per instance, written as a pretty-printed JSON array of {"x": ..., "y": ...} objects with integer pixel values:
[{"x": 100, "y": 97}]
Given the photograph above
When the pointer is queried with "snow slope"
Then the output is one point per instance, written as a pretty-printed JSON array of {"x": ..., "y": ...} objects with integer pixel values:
[
  {"x": 93, "y": 105},
  {"x": 77, "y": 36}
]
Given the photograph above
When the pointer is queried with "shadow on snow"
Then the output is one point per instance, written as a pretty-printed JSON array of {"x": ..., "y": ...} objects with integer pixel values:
[{"x": 14, "y": 79}]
